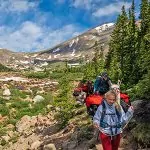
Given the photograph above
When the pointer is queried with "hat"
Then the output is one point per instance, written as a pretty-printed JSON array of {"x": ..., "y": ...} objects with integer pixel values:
[{"x": 104, "y": 74}]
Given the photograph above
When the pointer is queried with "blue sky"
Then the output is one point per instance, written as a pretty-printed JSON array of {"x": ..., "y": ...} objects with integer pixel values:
[{"x": 33, "y": 25}]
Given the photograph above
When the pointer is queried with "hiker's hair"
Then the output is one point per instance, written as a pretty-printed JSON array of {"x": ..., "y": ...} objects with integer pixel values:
[{"x": 110, "y": 92}]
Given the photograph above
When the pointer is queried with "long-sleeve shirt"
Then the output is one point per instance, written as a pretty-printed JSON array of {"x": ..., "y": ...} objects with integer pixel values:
[
  {"x": 101, "y": 85},
  {"x": 112, "y": 120}
]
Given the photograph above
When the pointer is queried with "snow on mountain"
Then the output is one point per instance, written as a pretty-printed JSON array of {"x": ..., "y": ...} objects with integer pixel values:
[
  {"x": 73, "y": 52},
  {"x": 71, "y": 43},
  {"x": 49, "y": 57},
  {"x": 56, "y": 50},
  {"x": 104, "y": 27}
]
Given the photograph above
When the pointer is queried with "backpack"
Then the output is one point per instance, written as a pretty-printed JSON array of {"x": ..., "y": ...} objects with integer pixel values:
[
  {"x": 86, "y": 87},
  {"x": 92, "y": 102}
]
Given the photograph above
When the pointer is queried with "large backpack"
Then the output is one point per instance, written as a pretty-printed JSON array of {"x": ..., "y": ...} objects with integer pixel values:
[
  {"x": 92, "y": 102},
  {"x": 86, "y": 87}
]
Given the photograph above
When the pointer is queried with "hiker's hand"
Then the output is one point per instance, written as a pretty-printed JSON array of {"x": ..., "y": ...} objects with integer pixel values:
[
  {"x": 96, "y": 93},
  {"x": 131, "y": 107},
  {"x": 95, "y": 125}
]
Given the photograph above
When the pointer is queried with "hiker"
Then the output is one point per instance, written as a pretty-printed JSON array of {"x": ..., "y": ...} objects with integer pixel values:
[
  {"x": 110, "y": 119},
  {"x": 82, "y": 91},
  {"x": 123, "y": 98},
  {"x": 102, "y": 84}
]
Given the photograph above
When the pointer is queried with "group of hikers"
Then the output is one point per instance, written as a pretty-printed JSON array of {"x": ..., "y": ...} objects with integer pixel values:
[{"x": 109, "y": 108}]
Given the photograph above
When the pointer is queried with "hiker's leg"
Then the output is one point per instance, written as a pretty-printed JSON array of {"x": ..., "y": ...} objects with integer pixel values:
[
  {"x": 115, "y": 142},
  {"x": 106, "y": 141}
]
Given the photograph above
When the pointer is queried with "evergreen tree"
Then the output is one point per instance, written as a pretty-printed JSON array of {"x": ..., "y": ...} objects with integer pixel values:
[
  {"x": 118, "y": 46},
  {"x": 131, "y": 51},
  {"x": 145, "y": 37}
]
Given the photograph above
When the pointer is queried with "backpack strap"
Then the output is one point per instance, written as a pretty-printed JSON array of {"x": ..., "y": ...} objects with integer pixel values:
[
  {"x": 102, "y": 123},
  {"x": 103, "y": 111}
]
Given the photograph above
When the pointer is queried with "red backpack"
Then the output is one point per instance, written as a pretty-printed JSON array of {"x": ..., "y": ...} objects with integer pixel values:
[{"x": 93, "y": 99}]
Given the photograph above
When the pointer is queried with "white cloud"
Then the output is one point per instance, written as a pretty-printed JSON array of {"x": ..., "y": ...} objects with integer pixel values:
[
  {"x": 86, "y": 4},
  {"x": 31, "y": 37},
  {"x": 110, "y": 9},
  {"x": 17, "y": 5}
]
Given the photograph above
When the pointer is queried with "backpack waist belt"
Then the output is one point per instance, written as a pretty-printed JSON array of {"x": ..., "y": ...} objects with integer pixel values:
[{"x": 106, "y": 125}]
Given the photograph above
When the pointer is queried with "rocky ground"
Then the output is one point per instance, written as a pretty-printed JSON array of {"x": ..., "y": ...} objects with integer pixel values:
[{"x": 42, "y": 131}]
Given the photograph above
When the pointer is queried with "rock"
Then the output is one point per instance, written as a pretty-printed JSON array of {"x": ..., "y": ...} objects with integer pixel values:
[
  {"x": 37, "y": 99},
  {"x": 8, "y": 104},
  {"x": 10, "y": 134},
  {"x": 10, "y": 126},
  {"x": 1, "y": 117},
  {"x": 23, "y": 124},
  {"x": 6, "y": 92},
  {"x": 50, "y": 106},
  {"x": 5, "y": 138},
  {"x": 49, "y": 147},
  {"x": 136, "y": 103},
  {"x": 35, "y": 145},
  {"x": 70, "y": 145}
]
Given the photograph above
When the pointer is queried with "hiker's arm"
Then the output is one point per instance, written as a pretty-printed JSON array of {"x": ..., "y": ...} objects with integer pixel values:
[
  {"x": 128, "y": 115},
  {"x": 109, "y": 82},
  {"x": 96, "y": 84},
  {"x": 97, "y": 117}
]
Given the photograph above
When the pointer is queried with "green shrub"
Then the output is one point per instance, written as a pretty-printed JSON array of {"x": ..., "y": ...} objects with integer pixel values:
[
  {"x": 141, "y": 134},
  {"x": 19, "y": 104},
  {"x": 17, "y": 93},
  {"x": 39, "y": 75},
  {"x": 4, "y": 110}
]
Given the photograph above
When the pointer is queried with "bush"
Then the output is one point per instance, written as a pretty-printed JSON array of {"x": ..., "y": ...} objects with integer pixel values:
[
  {"x": 4, "y": 111},
  {"x": 39, "y": 75},
  {"x": 19, "y": 104},
  {"x": 17, "y": 93},
  {"x": 141, "y": 134}
]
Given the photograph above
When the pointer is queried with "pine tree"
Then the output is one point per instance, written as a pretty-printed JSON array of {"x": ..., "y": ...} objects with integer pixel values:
[
  {"x": 118, "y": 45},
  {"x": 145, "y": 37},
  {"x": 131, "y": 51}
]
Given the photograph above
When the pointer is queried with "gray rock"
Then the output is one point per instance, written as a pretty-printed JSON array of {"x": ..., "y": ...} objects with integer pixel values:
[
  {"x": 49, "y": 147},
  {"x": 38, "y": 98},
  {"x": 6, "y": 92},
  {"x": 35, "y": 145}
]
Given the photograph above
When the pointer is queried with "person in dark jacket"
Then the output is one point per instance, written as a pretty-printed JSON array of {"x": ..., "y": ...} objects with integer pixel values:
[{"x": 102, "y": 84}]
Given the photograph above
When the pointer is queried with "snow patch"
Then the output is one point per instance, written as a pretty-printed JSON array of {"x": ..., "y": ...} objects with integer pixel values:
[
  {"x": 103, "y": 27},
  {"x": 93, "y": 37},
  {"x": 73, "y": 52},
  {"x": 71, "y": 43},
  {"x": 56, "y": 50},
  {"x": 55, "y": 56},
  {"x": 24, "y": 62},
  {"x": 49, "y": 57},
  {"x": 26, "y": 56},
  {"x": 14, "y": 79}
]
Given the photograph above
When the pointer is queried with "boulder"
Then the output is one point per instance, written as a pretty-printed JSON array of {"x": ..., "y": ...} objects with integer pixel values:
[
  {"x": 23, "y": 124},
  {"x": 38, "y": 98},
  {"x": 35, "y": 145},
  {"x": 6, "y": 138},
  {"x": 6, "y": 92},
  {"x": 49, "y": 147}
]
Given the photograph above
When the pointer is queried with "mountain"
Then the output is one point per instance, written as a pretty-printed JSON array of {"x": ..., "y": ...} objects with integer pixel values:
[{"x": 78, "y": 47}]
